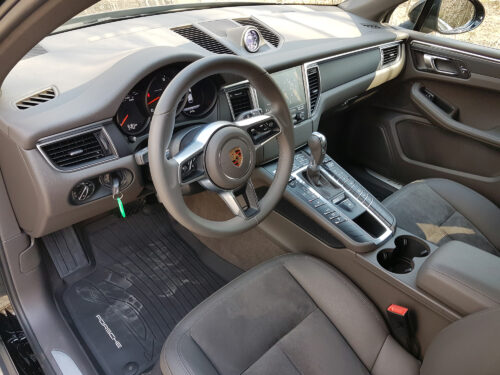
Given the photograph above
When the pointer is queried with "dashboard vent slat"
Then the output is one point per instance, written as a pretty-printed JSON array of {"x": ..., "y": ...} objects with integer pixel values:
[
  {"x": 78, "y": 150},
  {"x": 36, "y": 99},
  {"x": 240, "y": 101},
  {"x": 202, "y": 39},
  {"x": 390, "y": 54},
  {"x": 314, "y": 86},
  {"x": 267, "y": 34}
]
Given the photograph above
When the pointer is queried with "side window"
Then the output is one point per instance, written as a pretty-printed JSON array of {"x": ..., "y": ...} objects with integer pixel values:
[{"x": 473, "y": 21}]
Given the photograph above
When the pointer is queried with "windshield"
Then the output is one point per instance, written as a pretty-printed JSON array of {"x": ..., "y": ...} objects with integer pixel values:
[
  {"x": 105, "y": 6},
  {"x": 113, "y": 10}
]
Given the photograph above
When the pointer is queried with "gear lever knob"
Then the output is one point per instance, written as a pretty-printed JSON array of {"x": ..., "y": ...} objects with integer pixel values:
[{"x": 317, "y": 145}]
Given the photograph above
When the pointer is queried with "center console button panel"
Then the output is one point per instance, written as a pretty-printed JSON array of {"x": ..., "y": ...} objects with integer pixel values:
[{"x": 342, "y": 201}]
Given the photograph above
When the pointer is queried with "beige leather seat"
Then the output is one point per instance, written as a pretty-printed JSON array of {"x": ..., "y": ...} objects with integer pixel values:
[{"x": 298, "y": 315}]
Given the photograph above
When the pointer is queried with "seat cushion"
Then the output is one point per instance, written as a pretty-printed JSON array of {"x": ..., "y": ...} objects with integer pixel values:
[
  {"x": 440, "y": 211},
  {"x": 292, "y": 315}
]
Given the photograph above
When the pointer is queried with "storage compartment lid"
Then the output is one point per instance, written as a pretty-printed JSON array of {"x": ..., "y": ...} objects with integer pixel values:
[{"x": 462, "y": 277}]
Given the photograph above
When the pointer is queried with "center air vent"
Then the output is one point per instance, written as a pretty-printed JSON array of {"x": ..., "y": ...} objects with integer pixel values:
[
  {"x": 78, "y": 150},
  {"x": 240, "y": 101},
  {"x": 390, "y": 54},
  {"x": 267, "y": 34},
  {"x": 34, "y": 100},
  {"x": 314, "y": 86},
  {"x": 202, "y": 39}
]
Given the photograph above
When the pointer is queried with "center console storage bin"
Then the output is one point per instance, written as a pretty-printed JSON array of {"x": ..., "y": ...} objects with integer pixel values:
[{"x": 463, "y": 277}]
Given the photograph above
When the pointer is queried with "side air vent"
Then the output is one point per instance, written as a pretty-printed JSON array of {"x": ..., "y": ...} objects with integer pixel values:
[
  {"x": 39, "y": 98},
  {"x": 240, "y": 100},
  {"x": 204, "y": 40},
  {"x": 267, "y": 34},
  {"x": 314, "y": 86},
  {"x": 78, "y": 150},
  {"x": 390, "y": 54}
]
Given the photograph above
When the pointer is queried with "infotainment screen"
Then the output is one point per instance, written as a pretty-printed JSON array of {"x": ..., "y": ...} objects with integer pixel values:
[{"x": 291, "y": 83}]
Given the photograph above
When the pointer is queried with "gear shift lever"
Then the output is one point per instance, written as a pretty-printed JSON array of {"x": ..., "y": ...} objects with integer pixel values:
[{"x": 317, "y": 145}]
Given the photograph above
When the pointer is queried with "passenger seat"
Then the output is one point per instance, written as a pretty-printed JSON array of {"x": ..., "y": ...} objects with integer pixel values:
[{"x": 440, "y": 211}]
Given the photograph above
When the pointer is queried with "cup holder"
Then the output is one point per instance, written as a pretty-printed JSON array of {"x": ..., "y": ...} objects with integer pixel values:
[{"x": 400, "y": 258}]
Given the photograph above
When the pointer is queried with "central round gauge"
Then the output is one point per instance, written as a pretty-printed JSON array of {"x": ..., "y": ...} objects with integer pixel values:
[
  {"x": 156, "y": 87},
  {"x": 251, "y": 39}
]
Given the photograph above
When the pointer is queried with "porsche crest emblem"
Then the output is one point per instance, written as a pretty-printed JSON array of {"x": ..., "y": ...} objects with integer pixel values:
[{"x": 236, "y": 156}]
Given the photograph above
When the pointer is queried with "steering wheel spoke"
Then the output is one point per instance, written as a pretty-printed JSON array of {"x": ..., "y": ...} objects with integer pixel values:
[
  {"x": 262, "y": 128},
  {"x": 242, "y": 202}
]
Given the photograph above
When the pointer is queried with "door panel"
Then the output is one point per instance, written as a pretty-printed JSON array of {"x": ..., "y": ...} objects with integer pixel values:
[{"x": 439, "y": 119}]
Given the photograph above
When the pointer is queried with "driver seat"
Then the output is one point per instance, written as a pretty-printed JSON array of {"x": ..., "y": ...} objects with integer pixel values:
[{"x": 298, "y": 315}]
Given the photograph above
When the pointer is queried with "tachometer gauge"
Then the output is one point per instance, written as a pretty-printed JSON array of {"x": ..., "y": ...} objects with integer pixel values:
[
  {"x": 201, "y": 98},
  {"x": 156, "y": 87},
  {"x": 130, "y": 117}
]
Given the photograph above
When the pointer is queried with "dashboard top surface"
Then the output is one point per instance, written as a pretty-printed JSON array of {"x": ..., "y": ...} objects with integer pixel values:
[{"x": 93, "y": 68}]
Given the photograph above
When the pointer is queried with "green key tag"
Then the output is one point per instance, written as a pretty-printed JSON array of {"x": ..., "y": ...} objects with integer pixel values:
[{"x": 120, "y": 206}]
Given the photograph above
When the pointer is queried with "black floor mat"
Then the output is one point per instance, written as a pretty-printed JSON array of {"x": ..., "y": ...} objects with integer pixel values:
[{"x": 146, "y": 279}]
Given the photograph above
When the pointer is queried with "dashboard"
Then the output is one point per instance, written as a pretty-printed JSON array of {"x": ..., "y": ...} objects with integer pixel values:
[{"x": 75, "y": 113}]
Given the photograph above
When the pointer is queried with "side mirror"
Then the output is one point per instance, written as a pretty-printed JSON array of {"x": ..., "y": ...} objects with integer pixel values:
[
  {"x": 459, "y": 16},
  {"x": 447, "y": 16}
]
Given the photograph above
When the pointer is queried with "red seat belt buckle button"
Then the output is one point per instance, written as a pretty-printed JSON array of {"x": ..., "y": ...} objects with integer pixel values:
[{"x": 399, "y": 310}]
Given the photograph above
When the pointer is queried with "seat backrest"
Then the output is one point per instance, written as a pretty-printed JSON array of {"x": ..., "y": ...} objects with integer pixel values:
[{"x": 470, "y": 346}]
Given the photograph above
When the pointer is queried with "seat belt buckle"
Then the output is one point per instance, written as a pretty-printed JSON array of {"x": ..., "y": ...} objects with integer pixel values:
[{"x": 402, "y": 327}]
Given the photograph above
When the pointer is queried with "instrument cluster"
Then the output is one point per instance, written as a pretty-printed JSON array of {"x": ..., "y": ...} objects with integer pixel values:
[{"x": 138, "y": 106}]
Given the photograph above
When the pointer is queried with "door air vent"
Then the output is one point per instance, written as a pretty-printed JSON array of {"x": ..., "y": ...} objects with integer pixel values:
[
  {"x": 204, "y": 40},
  {"x": 314, "y": 86},
  {"x": 390, "y": 54},
  {"x": 268, "y": 35},
  {"x": 78, "y": 150},
  {"x": 34, "y": 100},
  {"x": 240, "y": 100}
]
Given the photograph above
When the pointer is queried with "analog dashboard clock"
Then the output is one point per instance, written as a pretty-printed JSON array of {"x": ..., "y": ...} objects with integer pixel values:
[{"x": 251, "y": 39}]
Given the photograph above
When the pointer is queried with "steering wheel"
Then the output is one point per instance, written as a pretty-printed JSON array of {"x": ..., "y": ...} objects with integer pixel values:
[{"x": 221, "y": 156}]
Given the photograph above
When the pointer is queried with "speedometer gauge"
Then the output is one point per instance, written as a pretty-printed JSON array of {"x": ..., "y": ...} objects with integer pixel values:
[{"x": 130, "y": 117}]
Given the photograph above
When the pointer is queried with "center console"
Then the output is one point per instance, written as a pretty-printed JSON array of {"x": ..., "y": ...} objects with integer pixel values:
[{"x": 338, "y": 203}]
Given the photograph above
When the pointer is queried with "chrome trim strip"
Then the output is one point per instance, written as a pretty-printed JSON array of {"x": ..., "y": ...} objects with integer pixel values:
[
  {"x": 492, "y": 59},
  {"x": 333, "y": 57},
  {"x": 73, "y": 133}
]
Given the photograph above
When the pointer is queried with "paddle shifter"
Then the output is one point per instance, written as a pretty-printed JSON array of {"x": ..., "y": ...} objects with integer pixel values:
[{"x": 317, "y": 145}]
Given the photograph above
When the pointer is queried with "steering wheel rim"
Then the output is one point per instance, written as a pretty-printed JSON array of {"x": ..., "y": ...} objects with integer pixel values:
[{"x": 165, "y": 171}]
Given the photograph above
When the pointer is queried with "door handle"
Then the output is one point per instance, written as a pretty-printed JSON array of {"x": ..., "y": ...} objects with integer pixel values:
[{"x": 430, "y": 64}]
